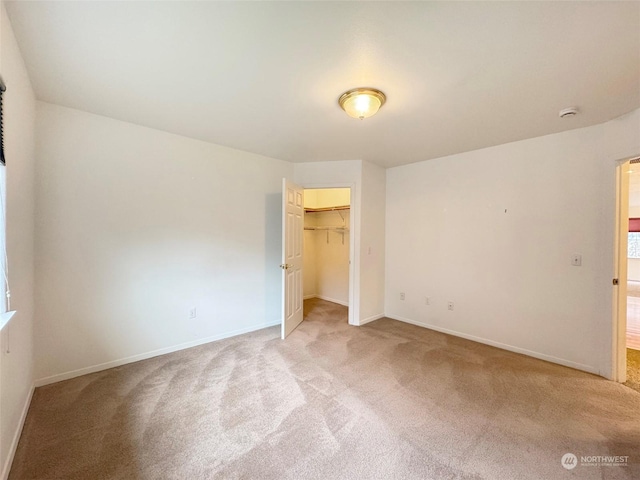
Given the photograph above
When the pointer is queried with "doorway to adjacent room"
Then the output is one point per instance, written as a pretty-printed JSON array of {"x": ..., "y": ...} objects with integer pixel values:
[{"x": 632, "y": 331}]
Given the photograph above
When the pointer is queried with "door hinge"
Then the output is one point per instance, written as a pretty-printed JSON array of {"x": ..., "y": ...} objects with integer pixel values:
[{"x": 615, "y": 281}]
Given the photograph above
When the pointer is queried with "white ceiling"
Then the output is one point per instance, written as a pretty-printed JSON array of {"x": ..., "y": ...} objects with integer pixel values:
[{"x": 265, "y": 77}]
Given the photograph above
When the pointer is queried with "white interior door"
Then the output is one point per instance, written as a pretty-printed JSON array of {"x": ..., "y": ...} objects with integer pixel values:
[{"x": 292, "y": 229}]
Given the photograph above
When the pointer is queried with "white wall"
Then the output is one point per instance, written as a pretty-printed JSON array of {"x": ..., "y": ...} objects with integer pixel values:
[
  {"x": 493, "y": 231},
  {"x": 134, "y": 227},
  {"x": 16, "y": 378},
  {"x": 372, "y": 253},
  {"x": 332, "y": 258}
]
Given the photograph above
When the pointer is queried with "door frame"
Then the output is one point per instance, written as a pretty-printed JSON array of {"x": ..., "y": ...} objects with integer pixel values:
[
  {"x": 619, "y": 333},
  {"x": 354, "y": 233}
]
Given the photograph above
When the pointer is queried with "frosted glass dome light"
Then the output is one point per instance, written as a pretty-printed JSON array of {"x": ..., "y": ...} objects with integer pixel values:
[{"x": 362, "y": 102}]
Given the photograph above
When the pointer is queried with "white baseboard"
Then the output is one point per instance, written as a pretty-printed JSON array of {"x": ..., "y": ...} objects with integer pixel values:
[
  {"x": 143, "y": 356},
  {"x": 504, "y": 346},
  {"x": 307, "y": 297},
  {"x": 16, "y": 436},
  {"x": 333, "y": 300},
  {"x": 371, "y": 319}
]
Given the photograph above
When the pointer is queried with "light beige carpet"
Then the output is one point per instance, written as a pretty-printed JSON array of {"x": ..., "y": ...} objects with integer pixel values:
[{"x": 383, "y": 401}]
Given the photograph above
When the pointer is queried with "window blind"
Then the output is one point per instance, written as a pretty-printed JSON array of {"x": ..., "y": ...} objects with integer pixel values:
[{"x": 3, "y": 88}]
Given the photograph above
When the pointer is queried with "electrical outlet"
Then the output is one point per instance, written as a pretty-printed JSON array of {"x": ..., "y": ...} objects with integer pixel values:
[
  {"x": 402, "y": 296},
  {"x": 427, "y": 300},
  {"x": 450, "y": 305},
  {"x": 193, "y": 313}
]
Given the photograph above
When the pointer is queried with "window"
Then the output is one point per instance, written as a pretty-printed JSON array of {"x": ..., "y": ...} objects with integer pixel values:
[
  {"x": 3, "y": 88},
  {"x": 633, "y": 245},
  {"x": 5, "y": 304}
]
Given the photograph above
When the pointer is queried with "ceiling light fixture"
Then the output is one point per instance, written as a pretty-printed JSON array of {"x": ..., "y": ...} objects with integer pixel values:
[{"x": 362, "y": 102}]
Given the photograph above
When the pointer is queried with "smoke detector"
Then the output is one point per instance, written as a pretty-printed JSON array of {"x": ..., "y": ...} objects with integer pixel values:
[{"x": 568, "y": 112}]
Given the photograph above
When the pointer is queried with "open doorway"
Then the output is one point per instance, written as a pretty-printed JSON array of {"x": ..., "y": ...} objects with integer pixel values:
[
  {"x": 327, "y": 254},
  {"x": 632, "y": 330}
]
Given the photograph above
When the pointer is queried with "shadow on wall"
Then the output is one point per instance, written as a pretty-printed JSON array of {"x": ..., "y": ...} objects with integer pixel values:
[{"x": 273, "y": 257}]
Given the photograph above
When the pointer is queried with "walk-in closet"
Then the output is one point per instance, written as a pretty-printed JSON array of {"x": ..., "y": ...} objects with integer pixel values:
[{"x": 326, "y": 244}]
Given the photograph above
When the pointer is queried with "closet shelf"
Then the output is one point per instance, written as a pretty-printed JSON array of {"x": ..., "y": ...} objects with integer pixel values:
[
  {"x": 333, "y": 229},
  {"x": 326, "y": 209}
]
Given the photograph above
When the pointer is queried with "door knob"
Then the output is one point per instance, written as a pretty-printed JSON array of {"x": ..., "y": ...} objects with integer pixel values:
[{"x": 286, "y": 266}]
